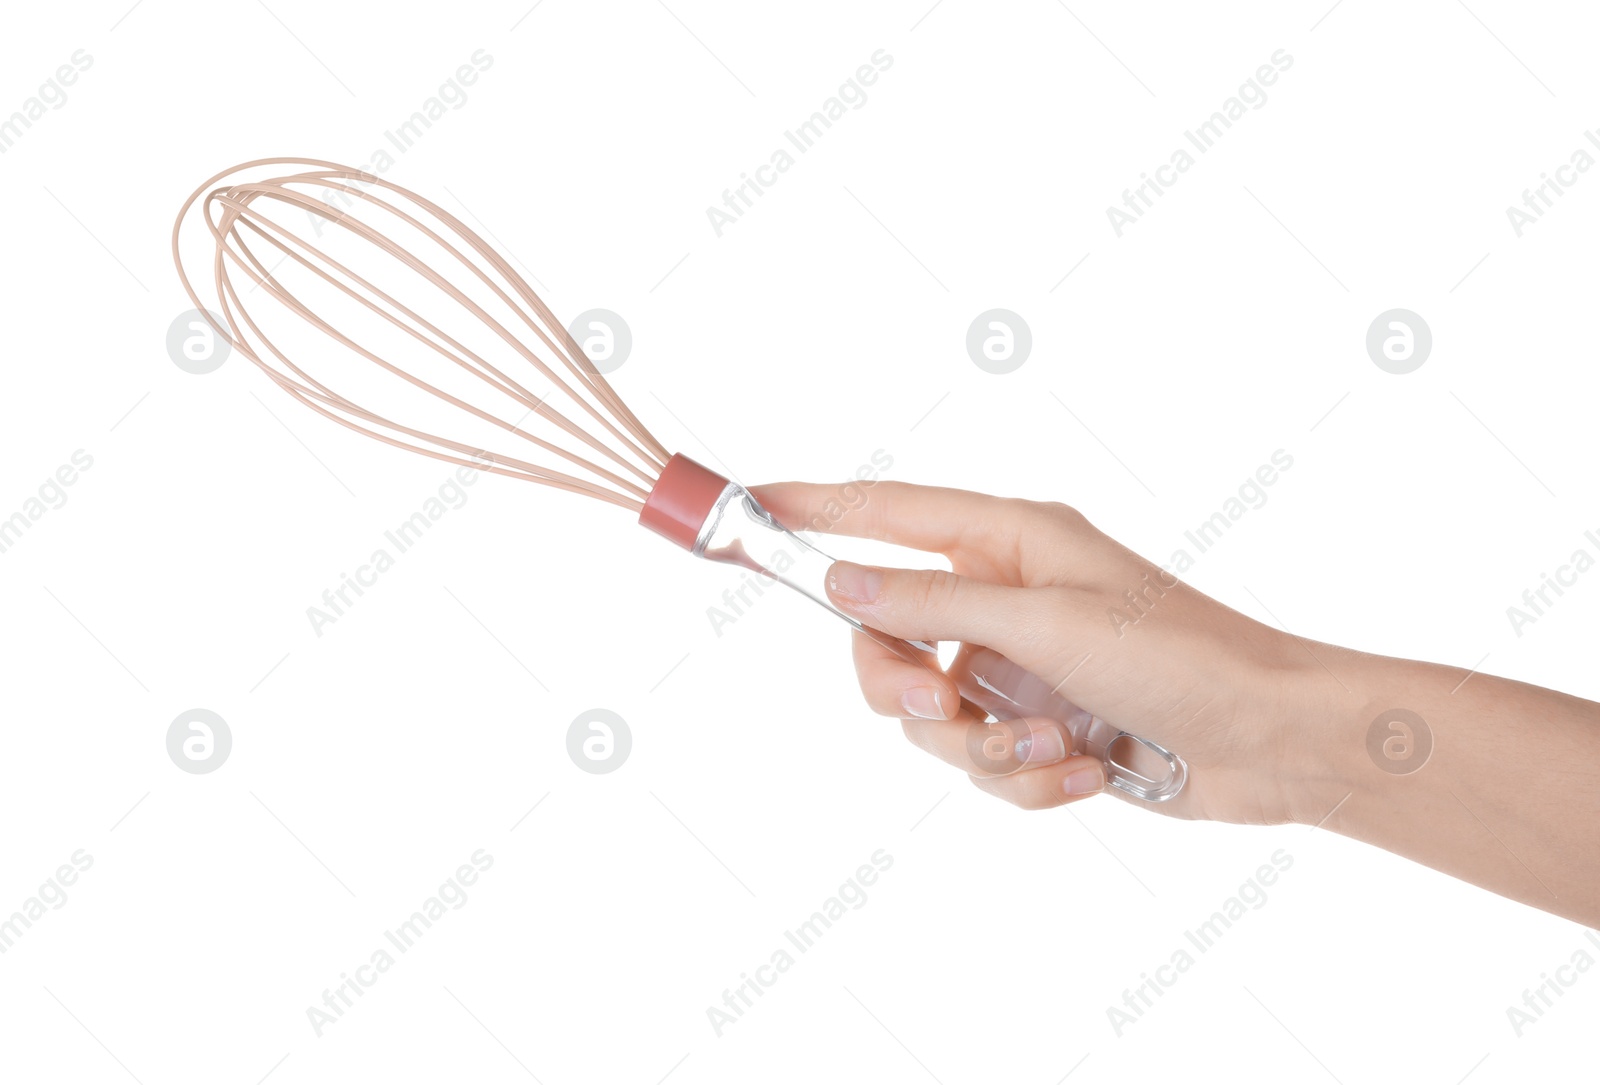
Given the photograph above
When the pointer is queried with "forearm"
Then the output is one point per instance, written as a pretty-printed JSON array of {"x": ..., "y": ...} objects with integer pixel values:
[{"x": 1508, "y": 798}]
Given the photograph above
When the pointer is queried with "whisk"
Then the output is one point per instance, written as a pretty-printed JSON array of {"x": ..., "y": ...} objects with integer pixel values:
[{"x": 388, "y": 274}]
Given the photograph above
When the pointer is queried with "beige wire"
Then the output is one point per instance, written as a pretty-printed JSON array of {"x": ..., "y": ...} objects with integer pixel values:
[{"x": 229, "y": 213}]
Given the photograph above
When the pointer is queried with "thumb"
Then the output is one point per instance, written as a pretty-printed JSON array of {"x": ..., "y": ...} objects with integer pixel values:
[{"x": 933, "y": 604}]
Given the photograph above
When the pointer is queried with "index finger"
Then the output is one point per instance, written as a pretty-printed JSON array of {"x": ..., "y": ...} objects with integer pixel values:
[{"x": 931, "y": 518}]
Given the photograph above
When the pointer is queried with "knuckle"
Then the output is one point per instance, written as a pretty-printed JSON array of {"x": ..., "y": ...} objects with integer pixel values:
[
  {"x": 1022, "y": 798},
  {"x": 932, "y": 589},
  {"x": 1044, "y": 533},
  {"x": 1022, "y": 791},
  {"x": 883, "y": 696},
  {"x": 1050, "y": 621},
  {"x": 1035, "y": 799},
  {"x": 1061, "y": 515}
]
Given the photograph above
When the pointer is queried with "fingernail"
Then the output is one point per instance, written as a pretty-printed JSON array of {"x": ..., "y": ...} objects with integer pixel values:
[
  {"x": 925, "y": 703},
  {"x": 857, "y": 583},
  {"x": 1042, "y": 747},
  {"x": 1085, "y": 781}
]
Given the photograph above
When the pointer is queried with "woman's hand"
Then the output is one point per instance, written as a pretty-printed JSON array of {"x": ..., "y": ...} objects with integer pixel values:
[
  {"x": 1115, "y": 634},
  {"x": 1493, "y": 781}
]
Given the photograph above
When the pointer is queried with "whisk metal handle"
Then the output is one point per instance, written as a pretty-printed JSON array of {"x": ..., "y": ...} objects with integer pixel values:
[{"x": 721, "y": 521}]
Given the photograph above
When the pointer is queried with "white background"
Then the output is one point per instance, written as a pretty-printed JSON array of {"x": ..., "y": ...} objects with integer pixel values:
[{"x": 828, "y": 323}]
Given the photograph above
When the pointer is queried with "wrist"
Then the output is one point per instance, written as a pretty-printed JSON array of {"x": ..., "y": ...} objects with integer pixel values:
[{"x": 1348, "y": 728}]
